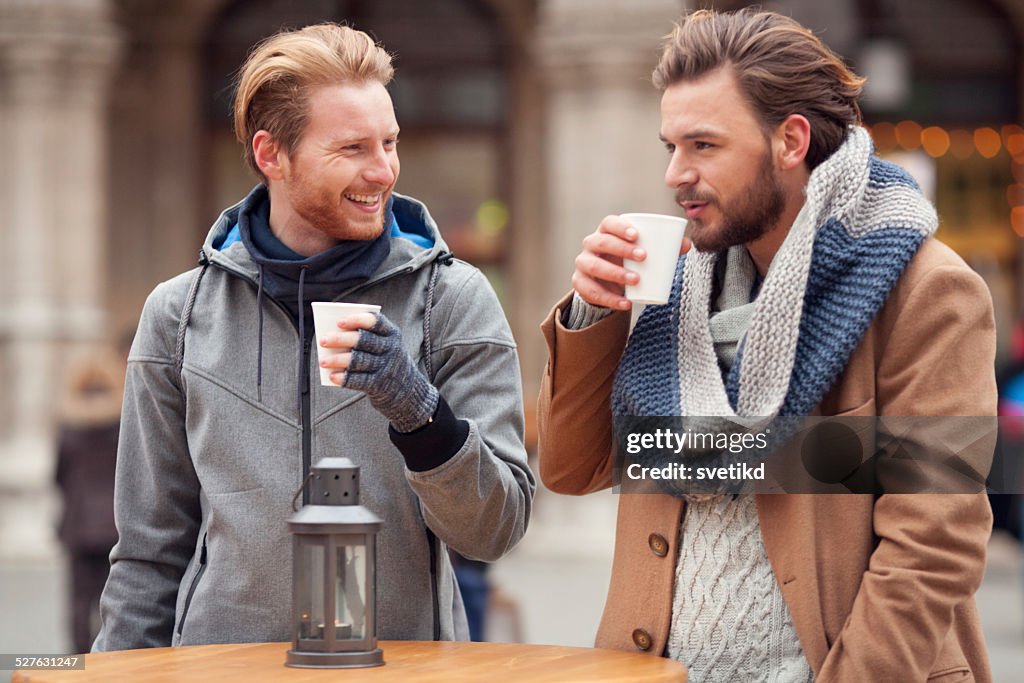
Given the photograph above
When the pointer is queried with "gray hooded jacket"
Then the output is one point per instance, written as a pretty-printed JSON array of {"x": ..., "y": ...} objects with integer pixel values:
[{"x": 207, "y": 466}]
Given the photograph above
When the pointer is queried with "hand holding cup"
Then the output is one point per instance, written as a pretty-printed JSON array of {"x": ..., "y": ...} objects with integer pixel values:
[
  {"x": 337, "y": 328},
  {"x": 607, "y": 268},
  {"x": 366, "y": 352}
]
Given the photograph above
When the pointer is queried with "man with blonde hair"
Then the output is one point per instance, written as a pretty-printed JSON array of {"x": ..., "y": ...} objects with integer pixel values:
[
  {"x": 814, "y": 287},
  {"x": 224, "y": 411}
]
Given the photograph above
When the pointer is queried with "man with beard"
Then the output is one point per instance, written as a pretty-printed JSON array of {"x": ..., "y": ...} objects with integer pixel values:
[
  {"x": 813, "y": 286},
  {"x": 224, "y": 415}
]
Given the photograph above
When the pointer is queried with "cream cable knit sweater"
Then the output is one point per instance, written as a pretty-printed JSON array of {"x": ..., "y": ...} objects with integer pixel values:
[{"x": 729, "y": 620}]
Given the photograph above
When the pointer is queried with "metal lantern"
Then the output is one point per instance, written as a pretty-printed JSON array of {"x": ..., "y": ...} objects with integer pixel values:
[{"x": 334, "y": 566}]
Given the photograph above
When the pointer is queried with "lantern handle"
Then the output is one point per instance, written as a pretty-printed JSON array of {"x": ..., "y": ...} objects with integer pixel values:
[{"x": 298, "y": 493}]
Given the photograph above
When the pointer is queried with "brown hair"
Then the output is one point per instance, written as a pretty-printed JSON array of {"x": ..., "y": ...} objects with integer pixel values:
[
  {"x": 782, "y": 69},
  {"x": 274, "y": 82}
]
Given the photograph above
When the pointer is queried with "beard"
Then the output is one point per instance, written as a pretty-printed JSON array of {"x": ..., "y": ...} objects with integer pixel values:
[
  {"x": 324, "y": 210},
  {"x": 751, "y": 216}
]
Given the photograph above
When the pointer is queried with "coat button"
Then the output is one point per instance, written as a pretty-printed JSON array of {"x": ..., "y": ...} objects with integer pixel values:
[
  {"x": 659, "y": 546},
  {"x": 642, "y": 639}
]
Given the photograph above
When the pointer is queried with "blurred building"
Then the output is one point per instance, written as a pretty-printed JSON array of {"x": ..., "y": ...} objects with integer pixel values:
[{"x": 523, "y": 123}]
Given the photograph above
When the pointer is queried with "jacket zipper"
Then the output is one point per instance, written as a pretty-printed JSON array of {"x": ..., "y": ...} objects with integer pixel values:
[
  {"x": 192, "y": 587},
  {"x": 432, "y": 543},
  {"x": 371, "y": 283},
  {"x": 307, "y": 427}
]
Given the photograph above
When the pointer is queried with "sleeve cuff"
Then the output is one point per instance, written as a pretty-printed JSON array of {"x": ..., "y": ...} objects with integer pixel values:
[
  {"x": 433, "y": 444},
  {"x": 582, "y": 314}
]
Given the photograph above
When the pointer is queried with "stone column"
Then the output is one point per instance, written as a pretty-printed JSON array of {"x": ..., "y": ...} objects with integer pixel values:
[
  {"x": 56, "y": 57},
  {"x": 600, "y": 155},
  {"x": 156, "y": 128},
  {"x": 603, "y": 118}
]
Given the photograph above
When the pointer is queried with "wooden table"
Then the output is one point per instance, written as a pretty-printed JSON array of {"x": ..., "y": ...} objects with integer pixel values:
[{"x": 441, "y": 662}]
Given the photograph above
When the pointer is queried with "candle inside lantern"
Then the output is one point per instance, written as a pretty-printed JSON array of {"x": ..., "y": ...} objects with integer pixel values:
[
  {"x": 341, "y": 631},
  {"x": 307, "y": 630}
]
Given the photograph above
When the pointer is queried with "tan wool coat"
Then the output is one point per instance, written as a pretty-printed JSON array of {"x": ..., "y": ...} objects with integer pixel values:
[{"x": 880, "y": 588}]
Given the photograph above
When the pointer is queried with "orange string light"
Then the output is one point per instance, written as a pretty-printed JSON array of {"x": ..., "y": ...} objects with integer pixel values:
[
  {"x": 987, "y": 142},
  {"x": 1017, "y": 220},
  {"x": 1009, "y": 130},
  {"x": 908, "y": 134},
  {"x": 1015, "y": 146},
  {"x": 884, "y": 135},
  {"x": 935, "y": 141}
]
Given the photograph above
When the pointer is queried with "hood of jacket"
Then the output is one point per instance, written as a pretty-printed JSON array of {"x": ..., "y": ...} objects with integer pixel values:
[{"x": 406, "y": 256}]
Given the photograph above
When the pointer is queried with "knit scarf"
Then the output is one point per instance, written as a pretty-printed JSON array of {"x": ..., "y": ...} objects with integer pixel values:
[{"x": 862, "y": 221}]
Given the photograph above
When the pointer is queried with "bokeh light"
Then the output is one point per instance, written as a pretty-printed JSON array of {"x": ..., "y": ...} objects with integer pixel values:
[
  {"x": 1015, "y": 145},
  {"x": 491, "y": 217},
  {"x": 908, "y": 134},
  {"x": 988, "y": 142},
  {"x": 1017, "y": 220},
  {"x": 884, "y": 135},
  {"x": 1009, "y": 130},
  {"x": 935, "y": 141}
]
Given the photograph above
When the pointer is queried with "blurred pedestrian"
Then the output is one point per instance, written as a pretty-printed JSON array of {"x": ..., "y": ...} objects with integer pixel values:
[
  {"x": 471, "y": 576},
  {"x": 86, "y": 453},
  {"x": 1007, "y": 509}
]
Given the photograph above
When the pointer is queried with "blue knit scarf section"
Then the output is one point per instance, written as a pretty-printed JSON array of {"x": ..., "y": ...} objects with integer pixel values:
[{"x": 852, "y": 270}]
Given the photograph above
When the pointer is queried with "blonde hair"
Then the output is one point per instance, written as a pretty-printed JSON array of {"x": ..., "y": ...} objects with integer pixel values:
[
  {"x": 782, "y": 69},
  {"x": 274, "y": 83}
]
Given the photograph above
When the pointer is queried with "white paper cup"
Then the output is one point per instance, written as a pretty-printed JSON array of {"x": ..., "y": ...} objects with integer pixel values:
[
  {"x": 326, "y": 315},
  {"x": 660, "y": 236}
]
